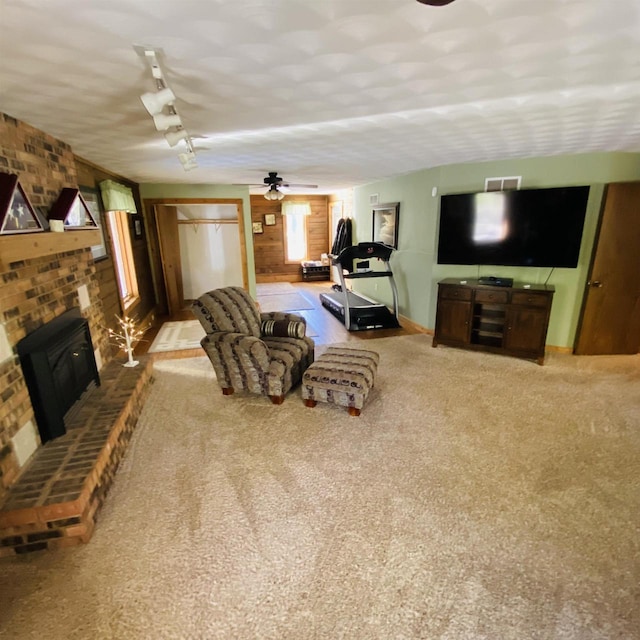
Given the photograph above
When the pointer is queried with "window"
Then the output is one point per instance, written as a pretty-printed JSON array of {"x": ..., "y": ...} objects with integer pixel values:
[
  {"x": 295, "y": 230},
  {"x": 123, "y": 257}
]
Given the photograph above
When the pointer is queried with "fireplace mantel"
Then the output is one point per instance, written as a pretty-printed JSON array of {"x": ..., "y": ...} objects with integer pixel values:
[{"x": 27, "y": 246}]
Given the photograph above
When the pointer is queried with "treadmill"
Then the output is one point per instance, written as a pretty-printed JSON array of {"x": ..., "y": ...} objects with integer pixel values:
[{"x": 355, "y": 310}]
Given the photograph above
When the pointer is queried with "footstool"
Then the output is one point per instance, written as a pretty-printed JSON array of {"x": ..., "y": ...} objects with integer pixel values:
[{"x": 341, "y": 376}]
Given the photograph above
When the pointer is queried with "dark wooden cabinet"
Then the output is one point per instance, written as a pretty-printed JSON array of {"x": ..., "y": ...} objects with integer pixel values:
[{"x": 508, "y": 320}]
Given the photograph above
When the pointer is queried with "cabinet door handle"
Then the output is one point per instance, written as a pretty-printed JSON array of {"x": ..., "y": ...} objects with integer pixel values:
[{"x": 595, "y": 283}]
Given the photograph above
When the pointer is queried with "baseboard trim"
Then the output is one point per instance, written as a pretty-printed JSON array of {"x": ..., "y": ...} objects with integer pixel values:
[
  {"x": 554, "y": 349},
  {"x": 418, "y": 328}
]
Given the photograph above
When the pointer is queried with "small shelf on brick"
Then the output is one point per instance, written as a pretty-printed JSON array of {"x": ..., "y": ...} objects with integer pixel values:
[{"x": 27, "y": 246}]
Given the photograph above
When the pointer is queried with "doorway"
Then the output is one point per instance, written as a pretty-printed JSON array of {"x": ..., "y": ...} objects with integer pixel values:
[{"x": 201, "y": 247}]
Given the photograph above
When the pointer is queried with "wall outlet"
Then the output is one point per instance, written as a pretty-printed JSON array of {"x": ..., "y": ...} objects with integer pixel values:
[
  {"x": 83, "y": 297},
  {"x": 25, "y": 442},
  {"x": 6, "y": 351}
]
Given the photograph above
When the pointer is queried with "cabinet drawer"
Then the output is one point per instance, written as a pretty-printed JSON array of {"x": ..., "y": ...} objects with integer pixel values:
[
  {"x": 454, "y": 293},
  {"x": 500, "y": 297},
  {"x": 530, "y": 299}
]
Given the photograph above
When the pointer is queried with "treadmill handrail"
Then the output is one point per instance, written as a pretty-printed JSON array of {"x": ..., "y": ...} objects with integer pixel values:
[{"x": 369, "y": 274}]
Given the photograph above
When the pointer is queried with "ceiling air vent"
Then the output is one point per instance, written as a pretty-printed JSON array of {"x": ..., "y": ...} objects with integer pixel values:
[{"x": 502, "y": 184}]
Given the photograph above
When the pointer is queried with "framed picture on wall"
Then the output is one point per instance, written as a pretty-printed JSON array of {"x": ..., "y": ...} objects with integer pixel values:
[
  {"x": 16, "y": 213},
  {"x": 257, "y": 227},
  {"x": 385, "y": 223},
  {"x": 269, "y": 219},
  {"x": 94, "y": 204}
]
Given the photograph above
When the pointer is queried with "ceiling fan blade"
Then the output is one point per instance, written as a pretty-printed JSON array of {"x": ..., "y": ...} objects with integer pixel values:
[{"x": 291, "y": 185}]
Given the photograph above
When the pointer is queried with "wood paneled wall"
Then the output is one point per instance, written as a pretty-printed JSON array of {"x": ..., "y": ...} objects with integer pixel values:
[{"x": 269, "y": 253}]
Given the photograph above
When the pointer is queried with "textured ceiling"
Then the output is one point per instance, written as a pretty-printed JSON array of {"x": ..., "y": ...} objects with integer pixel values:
[{"x": 332, "y": 92}]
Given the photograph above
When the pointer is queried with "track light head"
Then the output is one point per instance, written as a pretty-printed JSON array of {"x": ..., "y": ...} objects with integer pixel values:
[
  {"x": 154, "y": 103},
  {"x": 173, "y": 137},
  {"x": 164, "y": 122}
]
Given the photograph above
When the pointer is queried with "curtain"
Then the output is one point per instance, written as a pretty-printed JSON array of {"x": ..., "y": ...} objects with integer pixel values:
[
  {"x": 117, "y": 197},
  {"x": 296, "y": 209}
]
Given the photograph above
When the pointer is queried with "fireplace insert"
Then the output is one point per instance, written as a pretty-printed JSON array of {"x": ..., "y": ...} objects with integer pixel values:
[{"x": 58, "y": 365}]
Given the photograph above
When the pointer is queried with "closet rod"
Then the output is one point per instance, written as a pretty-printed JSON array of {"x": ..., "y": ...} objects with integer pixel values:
[{"x": 208, "y": 221}]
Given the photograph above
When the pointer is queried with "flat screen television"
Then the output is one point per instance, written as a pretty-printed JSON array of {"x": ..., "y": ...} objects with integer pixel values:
[{"x": 524, "y": 228}]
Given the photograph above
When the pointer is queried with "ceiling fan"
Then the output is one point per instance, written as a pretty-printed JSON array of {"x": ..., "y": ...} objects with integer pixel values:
[{"x": 275, "y": 182}]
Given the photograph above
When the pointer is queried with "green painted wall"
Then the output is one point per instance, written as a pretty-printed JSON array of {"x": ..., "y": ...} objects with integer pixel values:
[
  {"x": 414, "y": 264},
  {"x": 211, "y": 191}
]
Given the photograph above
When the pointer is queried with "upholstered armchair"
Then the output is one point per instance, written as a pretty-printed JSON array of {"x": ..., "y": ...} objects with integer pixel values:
[{"x": 264, "y": 353}]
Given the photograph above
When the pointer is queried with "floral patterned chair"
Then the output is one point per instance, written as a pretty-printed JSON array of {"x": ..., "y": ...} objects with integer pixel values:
[{"x": 264, "y": 353}]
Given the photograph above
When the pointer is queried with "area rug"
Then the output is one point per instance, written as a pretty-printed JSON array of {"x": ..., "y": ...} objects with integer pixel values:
[
  {"x": 283, "y": 302},
  {"x": 271, "y": 288},
  {"x": 176, "y": 336},
  {"x": 477, "y": 497}
]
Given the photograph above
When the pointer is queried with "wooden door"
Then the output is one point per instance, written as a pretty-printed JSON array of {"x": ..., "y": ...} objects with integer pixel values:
[
  {"x": 167, "y": 223},
  {"x": 610, "y": 322}
]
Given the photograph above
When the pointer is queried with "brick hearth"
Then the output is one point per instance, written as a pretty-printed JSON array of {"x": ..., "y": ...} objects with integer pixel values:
[{"x": 54, "y": 503}]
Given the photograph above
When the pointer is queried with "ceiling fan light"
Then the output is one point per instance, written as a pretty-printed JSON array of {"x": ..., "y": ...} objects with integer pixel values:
[
  {"x": 274, "y": 193},
  {"x": 154, "y": 103}
]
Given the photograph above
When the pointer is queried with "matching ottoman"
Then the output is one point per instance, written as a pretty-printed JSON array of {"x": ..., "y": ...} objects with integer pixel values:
[{"x": 341, "y": 376}]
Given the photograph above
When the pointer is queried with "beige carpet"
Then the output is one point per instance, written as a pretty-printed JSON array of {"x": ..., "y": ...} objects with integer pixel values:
[
  {"x": 476, "y": 497},
  {"x": 176, "y": 336},
  {"x": 283, "y": 302}
]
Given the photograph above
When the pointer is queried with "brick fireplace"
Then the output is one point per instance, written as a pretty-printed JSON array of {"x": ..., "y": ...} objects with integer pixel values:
[
  {"x": 35, "y": 290},
  {"x": 52, "y": 484}
]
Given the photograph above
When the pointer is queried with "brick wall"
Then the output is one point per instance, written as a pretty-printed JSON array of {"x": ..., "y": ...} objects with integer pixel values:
[{"x": 34, "y": 291}]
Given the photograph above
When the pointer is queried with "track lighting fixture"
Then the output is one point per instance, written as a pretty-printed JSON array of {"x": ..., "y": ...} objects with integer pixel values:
[
  {"x": 160, "y": 105},
  {"x": 173, "y": 137},
  {"x": 164, "y": 122},
  {"x": 155, "y": 102}
]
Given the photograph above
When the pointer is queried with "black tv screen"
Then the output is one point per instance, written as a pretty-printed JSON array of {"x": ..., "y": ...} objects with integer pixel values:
[{"x": 524, "y": 228}]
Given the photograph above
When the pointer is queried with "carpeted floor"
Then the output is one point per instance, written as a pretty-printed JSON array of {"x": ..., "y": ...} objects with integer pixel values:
[{"x": 476, "y": 497}]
